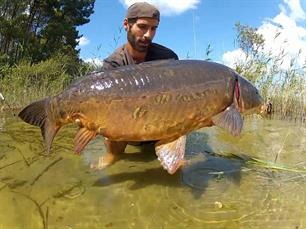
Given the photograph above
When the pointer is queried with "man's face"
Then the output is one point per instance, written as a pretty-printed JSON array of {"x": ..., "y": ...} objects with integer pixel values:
[{"x": 141, "y": 33}]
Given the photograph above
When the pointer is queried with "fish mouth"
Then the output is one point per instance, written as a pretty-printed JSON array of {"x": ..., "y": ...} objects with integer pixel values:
[
  {"x": 255, "y": 110},
  {"x": 262, "y": 109},
  {"x": 259, "y": 110},
  {"x": 257, "y": 107}
]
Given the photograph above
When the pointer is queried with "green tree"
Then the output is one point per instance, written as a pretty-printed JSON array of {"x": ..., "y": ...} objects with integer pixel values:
[
  {"x": 39, "y": 29},
  {"x": 251, "y": 43},
  {"x": 12, "y": 19},
  {"x": 249, "y": 40}
]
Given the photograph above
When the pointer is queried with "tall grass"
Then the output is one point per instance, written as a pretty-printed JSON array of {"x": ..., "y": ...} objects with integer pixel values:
[
  {"x": 289, "y": 99},
  {"x": 287, "y": 90},
  {"x": 24, "y": 83},
  {"x": 279, "y": 75}
]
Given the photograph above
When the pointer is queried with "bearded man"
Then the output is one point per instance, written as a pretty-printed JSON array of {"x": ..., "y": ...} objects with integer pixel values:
[{"x": 141, "y": 23}]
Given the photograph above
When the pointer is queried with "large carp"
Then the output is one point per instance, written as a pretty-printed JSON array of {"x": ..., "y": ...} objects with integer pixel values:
[{"x": 158, "y": 101}]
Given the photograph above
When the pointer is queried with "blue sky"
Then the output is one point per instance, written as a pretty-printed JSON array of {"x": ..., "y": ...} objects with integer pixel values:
[{"x": 188, "y": 26}]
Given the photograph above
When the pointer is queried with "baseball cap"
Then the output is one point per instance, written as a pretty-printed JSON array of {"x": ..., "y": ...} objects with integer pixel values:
[{"x": 142, "y": 9}]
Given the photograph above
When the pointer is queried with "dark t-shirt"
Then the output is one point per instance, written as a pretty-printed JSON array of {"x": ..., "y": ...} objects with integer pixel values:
[{"x": 122, "y": 57}]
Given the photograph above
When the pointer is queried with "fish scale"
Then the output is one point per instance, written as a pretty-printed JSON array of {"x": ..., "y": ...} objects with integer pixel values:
[{"x": 157, "y": 100}]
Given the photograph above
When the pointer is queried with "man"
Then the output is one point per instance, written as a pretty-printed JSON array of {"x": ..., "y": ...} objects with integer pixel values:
[{"x": 141, "y": 23}]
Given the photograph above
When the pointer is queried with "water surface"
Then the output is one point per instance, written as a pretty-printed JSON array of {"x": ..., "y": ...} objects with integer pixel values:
[{"x": 213, "y": 191}]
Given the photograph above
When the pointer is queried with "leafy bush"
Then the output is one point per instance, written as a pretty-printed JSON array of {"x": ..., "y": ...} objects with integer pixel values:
[{"x": 24, "y": 82}]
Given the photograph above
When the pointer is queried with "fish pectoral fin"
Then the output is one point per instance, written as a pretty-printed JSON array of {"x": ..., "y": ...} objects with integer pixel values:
[
  {"x": 230, "y": 119},
  {"x": 82, "y": 138},
  {"x": 171, "y": 154}
]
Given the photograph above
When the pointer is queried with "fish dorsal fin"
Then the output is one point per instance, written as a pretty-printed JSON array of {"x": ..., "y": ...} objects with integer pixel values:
[
  {"x": 82, "y": 138},
  {"x": 171, "y": 154},
  {"x": 230, "y": 119}
]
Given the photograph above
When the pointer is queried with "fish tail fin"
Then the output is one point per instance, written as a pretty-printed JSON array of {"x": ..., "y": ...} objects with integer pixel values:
[{"x": 36, "y": 114}]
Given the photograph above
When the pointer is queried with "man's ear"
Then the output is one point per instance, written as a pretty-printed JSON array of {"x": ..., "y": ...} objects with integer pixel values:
[{"x": 125, "y": 24}]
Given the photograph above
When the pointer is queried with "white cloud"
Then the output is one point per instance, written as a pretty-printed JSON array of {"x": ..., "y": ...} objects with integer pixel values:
[
  {"x": 232, "y": 58},
  {"x": 94, "y": 61},
  {"x": 168, "y": 7},
  {"x": 282, "y": 33},
  {"x": 296, "y": 10},
  {"x": 83, "y": 41},
  {"x": 291, "y": 38}
]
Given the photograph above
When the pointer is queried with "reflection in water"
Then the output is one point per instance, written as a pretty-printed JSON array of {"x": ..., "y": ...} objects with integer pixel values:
[{"x": 214, "y": 191}]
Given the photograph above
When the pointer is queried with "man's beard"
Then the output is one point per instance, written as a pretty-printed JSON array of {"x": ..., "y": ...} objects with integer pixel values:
[{"x": 140, "y": 46}]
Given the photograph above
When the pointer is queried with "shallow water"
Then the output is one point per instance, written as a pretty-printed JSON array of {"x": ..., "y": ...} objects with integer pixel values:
[{"x": 213, "y": 191}]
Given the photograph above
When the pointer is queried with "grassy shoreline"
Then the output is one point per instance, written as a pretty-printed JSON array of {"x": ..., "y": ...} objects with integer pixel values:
[{"x": 25, "y": 83}]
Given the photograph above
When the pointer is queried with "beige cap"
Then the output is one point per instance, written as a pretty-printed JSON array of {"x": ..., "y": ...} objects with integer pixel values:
[{"x": 142, "y": 9}]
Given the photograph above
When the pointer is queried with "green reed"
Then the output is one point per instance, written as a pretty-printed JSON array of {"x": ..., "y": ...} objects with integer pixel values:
[
  {"x": 288, "y": 93},
  {"x": 25, "y": 83}
]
